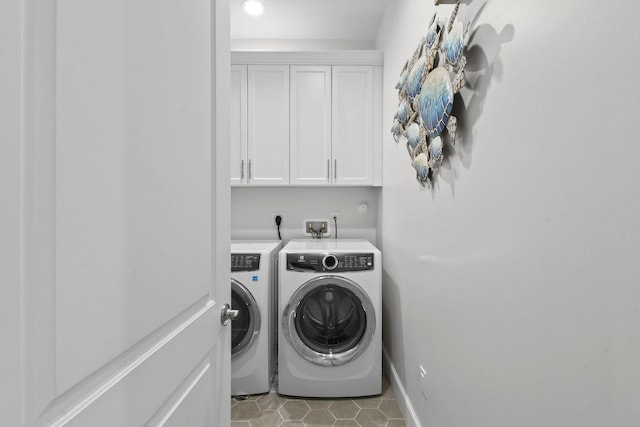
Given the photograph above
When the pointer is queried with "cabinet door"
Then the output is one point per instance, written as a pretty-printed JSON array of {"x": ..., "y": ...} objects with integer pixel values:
[
  {"x": 352, "y": 125},
  {"x": 310, "y": 127},
  {"x": 268, "y": 125},
  {"x": 238, "y": 135}
]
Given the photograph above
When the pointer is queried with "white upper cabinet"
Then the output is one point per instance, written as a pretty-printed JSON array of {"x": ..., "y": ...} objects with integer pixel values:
[
  {"x": 268, "y": 125},
  {"x": 352, "y": 125},
  {"x": 238, "y": 134},
  {"x": 310, "y": 118},
  {"x": 310, "y": 126}
]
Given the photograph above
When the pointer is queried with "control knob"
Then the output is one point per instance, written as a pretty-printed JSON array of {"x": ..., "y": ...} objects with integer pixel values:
[{"x": 330, "y": 262}]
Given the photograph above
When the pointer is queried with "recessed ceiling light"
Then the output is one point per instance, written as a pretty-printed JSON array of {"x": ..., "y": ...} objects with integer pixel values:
[{"x": 253, "y": 7}]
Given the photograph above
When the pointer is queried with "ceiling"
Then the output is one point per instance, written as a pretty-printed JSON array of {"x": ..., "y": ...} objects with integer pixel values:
[{"x": 309, "y": 20}]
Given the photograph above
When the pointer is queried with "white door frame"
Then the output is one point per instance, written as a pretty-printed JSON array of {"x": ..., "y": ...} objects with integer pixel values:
[
  {"x": 221, "y": 68},
  {"x": 10, "y": 211}
]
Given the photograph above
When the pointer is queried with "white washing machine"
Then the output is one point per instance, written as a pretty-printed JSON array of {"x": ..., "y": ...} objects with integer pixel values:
[
  {"x": 329, "y": 314},
  {"x": 254, "y": 273}
]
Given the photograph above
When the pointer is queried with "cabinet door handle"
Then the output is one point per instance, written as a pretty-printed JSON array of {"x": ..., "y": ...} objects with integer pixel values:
[
  {"x": 328, "y": 169},
  {"x": 335, "y": 169},
  {"x": 242, "y": 169},
  {"x": 249, "y": 170}
]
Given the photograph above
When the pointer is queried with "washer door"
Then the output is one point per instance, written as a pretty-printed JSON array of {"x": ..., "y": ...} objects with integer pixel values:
[
  {"x": 329, "y": 320},
  {"x": 246, "y": 326}
]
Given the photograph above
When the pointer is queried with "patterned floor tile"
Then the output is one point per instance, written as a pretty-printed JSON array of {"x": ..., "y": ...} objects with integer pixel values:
[
  {"x": 244, "y": 411},
  {"x": 270, "y": 401},
  {"x": 390, "y": 408},
  {"x": 316, "y": 403},
  {"x": 266, "y": 419},
  {"x": 371, "y": 418},
  {"x": 294, "y": 410},
  {"x": 396, "y": 423},
  {"x": 344, "y": 409},
  {"x": 368, "y": 403},
  {"x": 318, "y": 418},
  {"x": 274, "y": 410}
]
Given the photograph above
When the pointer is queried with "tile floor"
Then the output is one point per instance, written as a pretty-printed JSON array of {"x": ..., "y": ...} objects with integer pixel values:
[{"x": 274, "y": 410}]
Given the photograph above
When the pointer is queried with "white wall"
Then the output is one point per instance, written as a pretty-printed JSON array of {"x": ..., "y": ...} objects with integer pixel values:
[
  {"x": 10, "y": 210},
  {"x": 516, "y": 280},
  {"x": 253, "y": 210}
]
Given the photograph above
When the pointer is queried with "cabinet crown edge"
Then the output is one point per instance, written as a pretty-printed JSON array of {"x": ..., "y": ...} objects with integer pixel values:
[{"x": 334, "y": 57}]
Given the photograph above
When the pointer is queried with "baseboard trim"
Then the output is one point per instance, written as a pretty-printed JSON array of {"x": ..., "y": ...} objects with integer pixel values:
[{"x": 399, "y": 391}]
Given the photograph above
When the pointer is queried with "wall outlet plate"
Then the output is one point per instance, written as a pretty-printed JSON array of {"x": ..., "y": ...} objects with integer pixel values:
[
  {"x": 423, "y": 381},
  {"x": 316, "y": 227}
]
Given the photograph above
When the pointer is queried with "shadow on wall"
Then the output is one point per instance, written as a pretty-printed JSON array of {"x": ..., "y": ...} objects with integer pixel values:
[
  {"x": 483, "y": 65},
  {"x": 393, "y": 336}
]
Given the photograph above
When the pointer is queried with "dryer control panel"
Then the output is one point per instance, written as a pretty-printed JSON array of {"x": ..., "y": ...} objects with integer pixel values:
[
  {"x": 330, "y": 263},
  {"x": 245, "y": 262}
]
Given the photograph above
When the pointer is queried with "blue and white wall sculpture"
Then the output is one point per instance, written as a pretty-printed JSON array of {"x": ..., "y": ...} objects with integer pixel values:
[{"x": 428, "y": 82}]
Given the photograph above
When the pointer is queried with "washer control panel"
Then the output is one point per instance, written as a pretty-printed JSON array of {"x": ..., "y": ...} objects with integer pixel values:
[
  {"x": 245, "y": 262},
  {"x": 330, "y": 262}
]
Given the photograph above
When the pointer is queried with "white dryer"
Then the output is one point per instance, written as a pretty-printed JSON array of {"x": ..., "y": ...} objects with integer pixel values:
[
  {"x": 329, "y": 339},
  {"x": 254, "y": 272}
]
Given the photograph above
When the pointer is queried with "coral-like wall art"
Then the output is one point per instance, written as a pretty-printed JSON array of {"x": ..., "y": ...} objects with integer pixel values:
[{"x": 428, "y": 82}]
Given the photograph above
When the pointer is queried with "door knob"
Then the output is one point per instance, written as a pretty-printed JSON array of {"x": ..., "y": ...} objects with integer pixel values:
[{"x": 227, "y": 314}]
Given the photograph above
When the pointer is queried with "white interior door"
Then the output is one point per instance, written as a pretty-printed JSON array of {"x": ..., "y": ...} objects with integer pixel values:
[{"x": 124, "y": 200}]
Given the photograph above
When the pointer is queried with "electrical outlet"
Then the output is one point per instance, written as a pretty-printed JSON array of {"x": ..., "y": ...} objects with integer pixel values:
[
  {"x": 316, "y": 227},
  {"x": 275, "y": 214},
  {"x": 423, "y": 381}
]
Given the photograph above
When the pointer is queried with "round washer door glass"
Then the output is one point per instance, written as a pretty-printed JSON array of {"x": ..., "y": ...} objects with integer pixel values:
[
  {"x": 329, "y": 320},
  {"x": 246, "y": 326}
]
